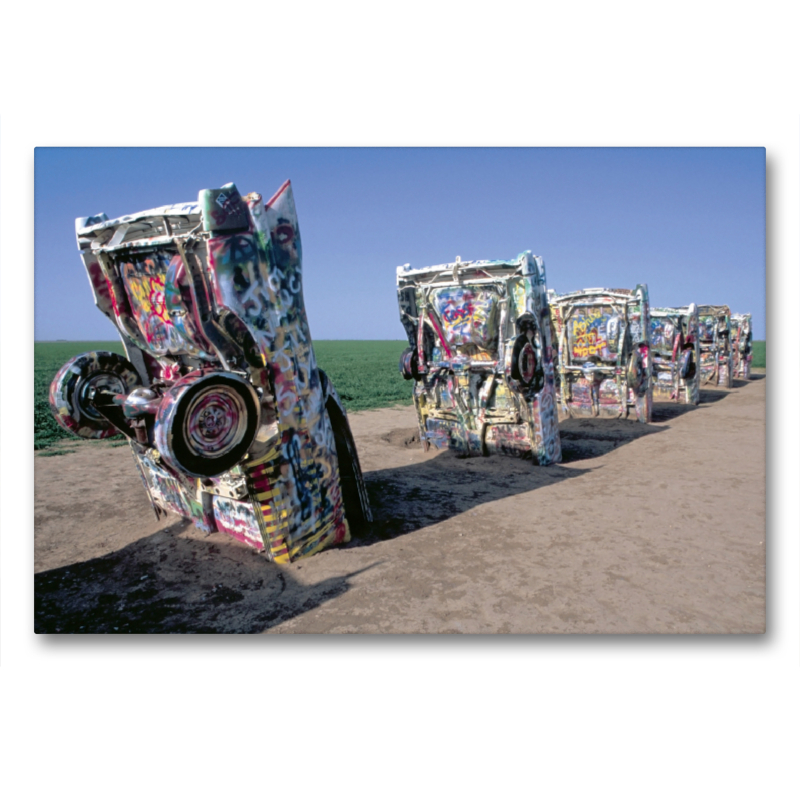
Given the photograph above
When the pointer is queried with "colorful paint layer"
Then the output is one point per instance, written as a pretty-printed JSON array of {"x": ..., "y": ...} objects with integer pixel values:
[
  {"x": 481, "y": 357},
  {"x": 716, "y": 355},
  {"x": 742, "y": 345},
  {"x": 675, "y": 350},
  {"x": 230, "y": 420},
  {"x": 604, "y": 361}
]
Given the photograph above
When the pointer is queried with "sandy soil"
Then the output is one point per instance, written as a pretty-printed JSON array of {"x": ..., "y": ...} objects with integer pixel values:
[{"x": 643, "y": 529}]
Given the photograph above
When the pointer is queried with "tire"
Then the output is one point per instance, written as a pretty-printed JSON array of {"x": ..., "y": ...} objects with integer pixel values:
[
  {"x": 635, "y": 372},
  {"x": 70, "y": 389},
  {"x": 354, "y": 494},
  {"x": 206, "y": 423},
  {"x": 523, "y": 361},
  {"x": 409, "y": 364},
  {"x": 688, "y": 368}
]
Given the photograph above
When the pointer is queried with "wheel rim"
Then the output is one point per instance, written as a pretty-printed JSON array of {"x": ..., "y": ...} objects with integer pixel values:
[
  {"x": 102, "y": 381},
  {"x": 215, "y": 422},
  {"x": 527, "y": 363},
  {"x": 70, "y": 391}
]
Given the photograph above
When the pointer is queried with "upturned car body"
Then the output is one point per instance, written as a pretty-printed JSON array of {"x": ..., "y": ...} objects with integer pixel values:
[
  {"x": 675, "y": 351},
  {"x": 230, "y": 421},
  {"x": 480, "y": 356},
  {"x": 742, "y": 345},
  {"x": 716, "y": 355},
  {"x": 604, "y": 362}
]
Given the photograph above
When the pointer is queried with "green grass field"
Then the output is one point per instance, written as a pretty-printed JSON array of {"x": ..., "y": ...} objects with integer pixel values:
[
  {"x": 759, "y": 354},
  {"x": 364, "y": 373}
]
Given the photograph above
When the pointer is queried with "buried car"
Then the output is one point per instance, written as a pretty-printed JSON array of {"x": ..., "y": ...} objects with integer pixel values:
[
  {"x": 229, "y": 419},
  {"x": 480, "y": 356},
  {"x": 675, "y": 351},
  {"x": 716, "y": 357},
  {"x": 604, "y": 364},
  {"x": 742, "y": 344}
]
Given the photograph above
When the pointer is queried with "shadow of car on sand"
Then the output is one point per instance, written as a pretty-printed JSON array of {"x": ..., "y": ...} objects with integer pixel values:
[
  {"x": 166, "y": 583},
  {"x": 408, "y": 498},
  {"x": 206, "y": 583}
]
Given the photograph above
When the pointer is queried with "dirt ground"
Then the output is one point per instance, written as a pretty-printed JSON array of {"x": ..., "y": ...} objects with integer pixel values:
[{"x": 654, "y": 528}]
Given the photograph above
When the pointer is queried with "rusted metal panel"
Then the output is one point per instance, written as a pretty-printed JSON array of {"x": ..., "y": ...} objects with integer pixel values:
[
  {"x": 742, "y": 345},
  {"x": 231, "y": 421},
  {"x": 675, "y": 351},
  {"x": 481, "y": 356},
  {"x": 604, "y": 362},
  {"x": 716, "y": 355}
]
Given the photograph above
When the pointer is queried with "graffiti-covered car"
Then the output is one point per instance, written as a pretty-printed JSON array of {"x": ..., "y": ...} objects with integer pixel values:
[
  {"x": 716, "y": 357},
  {"x": 604, "y": 367},
  {"x": 675, "y": 353},
  {"x": 742, "y": 344},
  {"x": 480, "y": 357},
  {"x": 230, "y": 421}
]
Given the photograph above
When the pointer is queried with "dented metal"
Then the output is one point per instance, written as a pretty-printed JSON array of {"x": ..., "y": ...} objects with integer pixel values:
[
  {"x": 604, "y": 361},
  {"x": 480, "y": 356},
  {"x": 231, "y": 422}
]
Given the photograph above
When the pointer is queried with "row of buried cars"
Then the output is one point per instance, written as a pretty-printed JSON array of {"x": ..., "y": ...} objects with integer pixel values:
[{"x": 232, "y": 424}]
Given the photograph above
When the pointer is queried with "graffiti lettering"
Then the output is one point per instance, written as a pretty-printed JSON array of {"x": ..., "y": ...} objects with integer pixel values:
[{"x": 456, "y": 314}]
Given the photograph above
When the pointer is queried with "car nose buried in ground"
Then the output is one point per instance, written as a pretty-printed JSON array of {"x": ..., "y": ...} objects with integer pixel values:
[
  {"x": 742, "y": 345},
  {"x": 230, "y": 421},
  {"x": 716, "y": 357},
  {"x": 675, "y": 351},
  {"x": 480, "y": 356},
  {"x": 604, "y": 365}
]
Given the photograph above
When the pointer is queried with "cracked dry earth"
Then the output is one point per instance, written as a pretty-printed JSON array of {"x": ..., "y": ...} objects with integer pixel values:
[{"x": 654, "y": 528}]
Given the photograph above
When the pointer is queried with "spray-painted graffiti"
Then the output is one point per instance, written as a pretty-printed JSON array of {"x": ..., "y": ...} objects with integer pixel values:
[
  {"x": 208, "y": 301},
  {"x": 258, "y": 278},
  {"x": 593, "y": 333},
  {"x": 675, "y": 349},
  {"x": 174, "y": 492},
  {"x": 742, "y": 345},
  {"x": 509, "y": 440},
  {"x": 467, "y": 315},
  {"x": 481, "y": 357},
  {"x": 158, "y": 303},
  {"x": 604, "y": 358},
  {"x": 716, "y": 357},
  {"x": 238, "y": 519}
]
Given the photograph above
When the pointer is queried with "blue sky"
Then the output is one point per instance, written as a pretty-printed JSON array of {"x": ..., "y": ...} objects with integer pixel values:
[{"x": 689, "y": 222}]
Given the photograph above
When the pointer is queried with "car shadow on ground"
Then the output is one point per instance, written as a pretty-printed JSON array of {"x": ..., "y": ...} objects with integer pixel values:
[
  {"x": 168, "y": 583},
  {"x": 174, "y": 583},
  {"x": 584, "y": 438},
  {"x": 740, "y": 383},
  {"x": 408, "y": 498},
  {"x": 708, "y": 396},
  {"x": 664, "y": 412}
]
